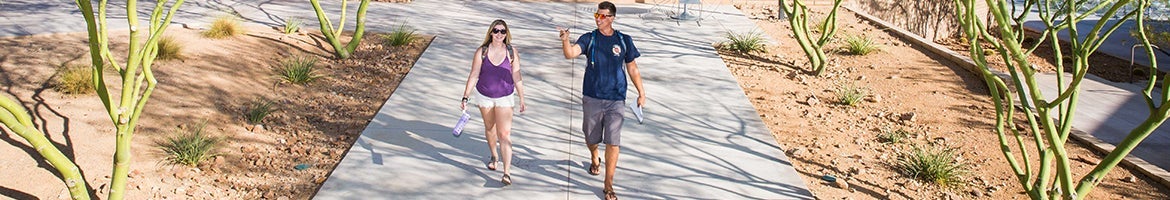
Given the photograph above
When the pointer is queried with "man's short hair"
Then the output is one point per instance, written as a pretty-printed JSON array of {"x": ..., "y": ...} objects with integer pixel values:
[{"x": 608, "y": 6}]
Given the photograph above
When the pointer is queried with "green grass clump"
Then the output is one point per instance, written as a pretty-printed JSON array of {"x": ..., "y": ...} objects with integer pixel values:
[
  {"x": 893, "y": 136},
  {"x": 939, "y": 166},
  {"x": 169, "y": 48},
  {"x": 850, "y": 95},
  {"x": 74, "y": 79},
  {"x": 403, "y": 35},
  {"x": 860, "y": 45},
  {"x": 258, "y": 110},
  {"x": 224, "y": 27},
  {"x": 745, "y": 43},
  {"x": 189, "y": 147},
  {"x": 292, "y": 25},
  {"x": 298, "y": 69}
]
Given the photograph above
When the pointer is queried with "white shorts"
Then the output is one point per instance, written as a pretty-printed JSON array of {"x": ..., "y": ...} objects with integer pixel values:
[{"x": 488, "y": 102}]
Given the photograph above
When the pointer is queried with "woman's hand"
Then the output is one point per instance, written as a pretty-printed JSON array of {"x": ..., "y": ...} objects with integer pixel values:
[
  {"x": 523, "y": 106},
  {"x": 463, "y": 104}
]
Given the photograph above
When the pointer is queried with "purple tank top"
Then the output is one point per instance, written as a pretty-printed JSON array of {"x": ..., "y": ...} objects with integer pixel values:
[{"x": 495, "y": 81}]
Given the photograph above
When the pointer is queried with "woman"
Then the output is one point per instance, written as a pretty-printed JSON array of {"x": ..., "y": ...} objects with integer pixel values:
[{"x": 495, "y": 77}]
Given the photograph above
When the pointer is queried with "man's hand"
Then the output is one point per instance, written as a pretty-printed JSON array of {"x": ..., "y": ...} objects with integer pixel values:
[
  {"x": 641, "y": 100},
  {"x": 564, "y": 33}
]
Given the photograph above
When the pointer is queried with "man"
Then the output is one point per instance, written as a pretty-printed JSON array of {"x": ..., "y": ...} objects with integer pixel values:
[{"x": 604, "y": 87}]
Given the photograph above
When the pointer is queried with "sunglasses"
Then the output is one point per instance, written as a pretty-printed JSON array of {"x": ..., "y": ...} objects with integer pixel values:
[
  {"x": 500, "y": 31},
  {"x": 602, "y": 16}
]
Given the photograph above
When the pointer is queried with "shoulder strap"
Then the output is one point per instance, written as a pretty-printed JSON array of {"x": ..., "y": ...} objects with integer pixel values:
[
  {"x": 483, "y": 50},
  {"x": 511, "y": 52}
]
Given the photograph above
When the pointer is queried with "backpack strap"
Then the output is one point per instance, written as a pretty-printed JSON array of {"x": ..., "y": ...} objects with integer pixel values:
[
  {"x": 483, "y": 50},
  {"x": 511, "y": 52}
]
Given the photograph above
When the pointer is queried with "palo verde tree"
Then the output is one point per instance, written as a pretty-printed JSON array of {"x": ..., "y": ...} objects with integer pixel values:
[
  {"x": 332, "y": 35},
  {"x": 1050, "y": 118},
  {"x": 798, "y": 20},
  {"x": 137, "y": 84}
]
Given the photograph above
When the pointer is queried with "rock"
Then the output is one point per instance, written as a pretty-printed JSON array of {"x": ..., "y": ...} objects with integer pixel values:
[
  {"x": 875, "y": 98},
  {"x": 1130, "y": 179},
  {"x": 812, "y": 101},
  {"x": 248, "y": 149},
  {"x": 892, "y": 77},
  {"x": 976, "y": 193},
  {"x": 135, "y": 174},
  {"x": 910, "y": 116},
  {"x": 841, "y": 183}
]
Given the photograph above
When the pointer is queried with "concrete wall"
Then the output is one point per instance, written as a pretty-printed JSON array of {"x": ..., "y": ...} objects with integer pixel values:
[{"x": 932, "y": 19}]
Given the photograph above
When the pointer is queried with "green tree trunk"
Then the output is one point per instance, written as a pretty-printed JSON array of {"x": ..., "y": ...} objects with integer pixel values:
[
  {"x": 813, "y": 50},
  {"x": 333, "y": 35},
  {"x": 1050, "y": 120}
]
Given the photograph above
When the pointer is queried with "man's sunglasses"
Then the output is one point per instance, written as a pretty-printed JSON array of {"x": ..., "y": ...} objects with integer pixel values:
[
  {"x": 602, "y": 16},
  {"x": 501, "y": 31}
]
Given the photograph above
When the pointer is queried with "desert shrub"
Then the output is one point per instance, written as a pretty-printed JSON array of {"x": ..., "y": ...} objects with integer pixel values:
[
  {"x": 934, "y": 165},
  {"x": 169, "y": 48},
  {"x": 224, "y": 27},
  {"x": 74, "y": 79},
  {"x": 817, "y": 25},
  {"x": 257, "y": 110},
  {"x": 298, "y": 69},
  {"x": 860, "y": 45},
  {"x": 745, "y": 43},
  {"x": 402, "y": 35},
  {"x": 189, "y": 147},
  {"x": 292, "y": 25},
  {"x": 893, "y": 135},
  {"x": 849, "y": 94}
]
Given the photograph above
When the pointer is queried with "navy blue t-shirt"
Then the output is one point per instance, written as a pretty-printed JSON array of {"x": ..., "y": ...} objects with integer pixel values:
[{"x": 605, "y": 74}]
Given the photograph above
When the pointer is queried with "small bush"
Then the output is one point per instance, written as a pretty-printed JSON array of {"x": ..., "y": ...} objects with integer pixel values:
[
  {"x": 818, "y": 25},
  {"x": 257, "y": 110},
  {"x": 298, "y": 69},
  {"x": 292, "y": 25},
  {"x": 169, "y": 48},
  {"x": 938, "y": 166},
  {"x": 860, "y": 45},
  {"x": 893, "y": 136},
  {"x": 403, "y": 35},
  {"x": 74, "y": 79},
  {"x": 745, "y": 43},
  {"x": 1158, "y": 31},
  {"x": 850, "y": 94},
  {"x": 224, "y": 27},
  {"x": 189, "y": 147}
]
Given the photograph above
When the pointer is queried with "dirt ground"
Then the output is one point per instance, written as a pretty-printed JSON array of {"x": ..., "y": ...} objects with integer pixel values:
[
  {"x": 314, "y": 124},
  {"x": 909, "y": 88}
]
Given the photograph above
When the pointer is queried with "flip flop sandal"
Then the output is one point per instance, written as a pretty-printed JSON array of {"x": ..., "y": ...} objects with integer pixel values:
[
  {"x": 595, "y": 168},
  {"x": 492, "y": 164},
  {"x": 507, "y": 180},
  {"x": 609, "y": 194}
]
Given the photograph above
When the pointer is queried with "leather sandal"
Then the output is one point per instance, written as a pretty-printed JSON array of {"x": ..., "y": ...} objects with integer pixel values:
[
  {"x": 595, "y": 167},
  {"x": 507, "y": 180},
  {"x": 492, "y": 164},
  {"x": 609, "y": 194}
]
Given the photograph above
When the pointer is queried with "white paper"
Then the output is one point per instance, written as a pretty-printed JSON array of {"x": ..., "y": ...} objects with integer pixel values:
[{"x": 637, "y": 111}]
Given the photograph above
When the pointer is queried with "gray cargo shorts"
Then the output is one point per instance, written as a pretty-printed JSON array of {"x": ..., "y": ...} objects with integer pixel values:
[{"x": 603, "y": 120}]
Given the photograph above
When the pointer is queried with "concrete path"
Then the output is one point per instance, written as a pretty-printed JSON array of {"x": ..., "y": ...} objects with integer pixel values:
[{"x": 702, "y": 138}]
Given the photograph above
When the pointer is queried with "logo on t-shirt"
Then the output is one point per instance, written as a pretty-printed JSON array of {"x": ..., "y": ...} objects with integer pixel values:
[{"x": 617, "y": 50}]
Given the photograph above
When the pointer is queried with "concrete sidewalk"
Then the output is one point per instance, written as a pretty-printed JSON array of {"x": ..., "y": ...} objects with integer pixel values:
[{"x": 702, "y": 139}]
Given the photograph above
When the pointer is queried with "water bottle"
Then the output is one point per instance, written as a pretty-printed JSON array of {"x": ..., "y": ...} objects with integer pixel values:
[{"x": 462, "y": 122}]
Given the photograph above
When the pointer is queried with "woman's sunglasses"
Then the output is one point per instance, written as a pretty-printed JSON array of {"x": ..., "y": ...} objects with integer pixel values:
[
  {"x": 500, "y": 31},
  {"x": 602, "y": 16}
]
